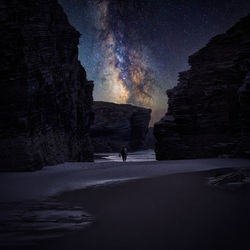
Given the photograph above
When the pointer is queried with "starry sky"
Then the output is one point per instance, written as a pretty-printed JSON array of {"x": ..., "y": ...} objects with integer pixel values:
[{"x": 134, "y": 49}]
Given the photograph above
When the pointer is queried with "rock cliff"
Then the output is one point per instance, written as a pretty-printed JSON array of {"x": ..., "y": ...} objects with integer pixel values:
[
  {"x": 209, "y": 109},
  {"x": 118, "y": 124},
  {"x": 45, "y": 97}
]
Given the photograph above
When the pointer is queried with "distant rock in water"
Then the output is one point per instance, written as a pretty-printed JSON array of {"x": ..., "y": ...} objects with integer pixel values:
[
  {"x": 209, "y": 110},
  {"x": 118, "y": 124},
  {"x": 45, "y": 98}
]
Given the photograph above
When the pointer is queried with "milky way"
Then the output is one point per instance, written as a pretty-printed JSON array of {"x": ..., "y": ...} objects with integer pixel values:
[
  {"x": 125, "y": 66},
  {"x": 134, "y": 49},
  {"x": 111, "y": 71}
]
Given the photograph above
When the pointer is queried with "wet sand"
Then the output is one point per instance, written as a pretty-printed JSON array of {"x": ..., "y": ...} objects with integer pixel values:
[{"x": 172, "y": 212}]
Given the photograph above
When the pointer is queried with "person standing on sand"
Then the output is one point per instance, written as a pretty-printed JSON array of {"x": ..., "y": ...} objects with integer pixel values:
[{"x": 124, "y": 153}]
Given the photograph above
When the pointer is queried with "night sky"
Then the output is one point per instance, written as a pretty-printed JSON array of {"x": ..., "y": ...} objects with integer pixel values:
[{"x": 134, "y": 49}]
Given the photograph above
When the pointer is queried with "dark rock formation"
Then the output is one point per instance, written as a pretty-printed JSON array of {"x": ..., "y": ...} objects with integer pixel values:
[
  {"x": 231, "y": 180},
  {"x": 118, "y": 124},
  {"x": 45, "y": 98},
  {"x": 209, "y": 110}
]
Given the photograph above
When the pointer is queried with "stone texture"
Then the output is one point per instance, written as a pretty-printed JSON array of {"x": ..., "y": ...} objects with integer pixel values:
[
  {"x": 45, "y": 97},
  {"x": 209, "y": 109},
  {"x": 27, "y": 222},
  {"x": 118, "y": 124}
]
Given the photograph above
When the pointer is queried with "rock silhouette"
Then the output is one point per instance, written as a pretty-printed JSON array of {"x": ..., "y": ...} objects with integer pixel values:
[
  {"x": 45, "y": 97},
  {"x": 209, "y": 109},
  {"x": 118, "y": 124}
]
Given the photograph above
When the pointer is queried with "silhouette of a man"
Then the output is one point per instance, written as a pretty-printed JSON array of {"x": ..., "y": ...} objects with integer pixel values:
[{"x": 124, "y": 153}]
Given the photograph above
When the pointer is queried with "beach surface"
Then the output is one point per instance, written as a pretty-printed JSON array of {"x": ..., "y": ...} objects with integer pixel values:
[
  {"x": 174, "y": 212},
  {"x": 132, "y": 205},
  {"x": 52, "y": 180}
]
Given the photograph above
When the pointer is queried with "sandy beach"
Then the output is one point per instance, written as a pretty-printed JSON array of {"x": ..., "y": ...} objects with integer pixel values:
[
  {"x": 136, "y": 205},
  {"x": 173, "y": 212}
]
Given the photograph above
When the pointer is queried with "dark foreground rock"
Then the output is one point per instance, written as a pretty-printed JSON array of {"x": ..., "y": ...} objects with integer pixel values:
[
  {"x": 118, "y": 124},
  {"x": 24, "y": 223},
  {"x": 235, "y": 179},
  {"x": 209, "y": 110},
  {"x": 45, "y": 98}
]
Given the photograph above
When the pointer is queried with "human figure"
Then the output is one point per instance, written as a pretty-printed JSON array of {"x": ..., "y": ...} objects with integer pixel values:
[{"x": 124, "y": 153}]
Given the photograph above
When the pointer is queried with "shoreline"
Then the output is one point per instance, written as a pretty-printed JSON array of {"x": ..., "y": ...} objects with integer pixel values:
[
  {"x": 156, "y": 212},
  {"x": 52, "y": 180},
  {"x": 67, "y": 211}
]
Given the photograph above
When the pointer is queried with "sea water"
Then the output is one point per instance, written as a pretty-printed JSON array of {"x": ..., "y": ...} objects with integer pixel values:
[{"x": 138, "y": 156}]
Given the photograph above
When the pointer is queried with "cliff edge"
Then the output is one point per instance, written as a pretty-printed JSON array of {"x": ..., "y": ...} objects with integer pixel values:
[
  {"x": 118, "y": 124},
  {"x": 45, "y": 97},
  {"x": 209, "y": 109}
]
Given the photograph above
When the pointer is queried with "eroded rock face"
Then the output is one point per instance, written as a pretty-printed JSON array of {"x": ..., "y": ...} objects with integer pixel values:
[
  {"x": 209, "y": 110},
  {"x": 118, "y": 124},
  {"x": 45, "y": 97}
]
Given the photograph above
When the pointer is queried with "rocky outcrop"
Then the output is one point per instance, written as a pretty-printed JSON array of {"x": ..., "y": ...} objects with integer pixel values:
[
  {"x": 209, "y": 110},
  {"x": 118, "y": 124},
  {"x": 45, "y": 98}
]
